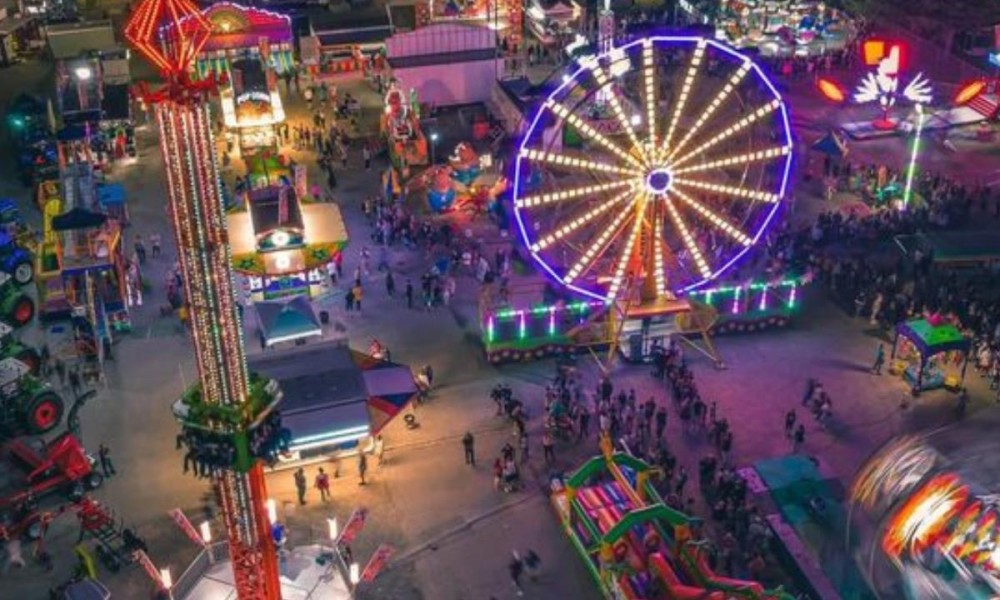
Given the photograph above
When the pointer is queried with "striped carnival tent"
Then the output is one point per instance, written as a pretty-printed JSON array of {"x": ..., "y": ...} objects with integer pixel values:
[{"x": 389, "y": 386}]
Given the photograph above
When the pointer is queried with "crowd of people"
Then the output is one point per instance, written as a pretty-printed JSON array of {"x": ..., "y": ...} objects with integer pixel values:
[{"x": 208, "y": 453}]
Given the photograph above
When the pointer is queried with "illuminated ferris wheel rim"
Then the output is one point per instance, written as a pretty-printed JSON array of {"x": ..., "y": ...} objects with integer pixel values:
[{"x": 641, "y": 165}]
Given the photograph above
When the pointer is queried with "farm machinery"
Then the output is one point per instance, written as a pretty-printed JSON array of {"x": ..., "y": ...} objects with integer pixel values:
[{"x": 27, "y": 404}]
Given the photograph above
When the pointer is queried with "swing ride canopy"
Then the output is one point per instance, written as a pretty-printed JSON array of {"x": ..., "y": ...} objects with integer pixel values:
[
  {"x": 680, "y": 167},
  {"x": 931, "y": 339}
]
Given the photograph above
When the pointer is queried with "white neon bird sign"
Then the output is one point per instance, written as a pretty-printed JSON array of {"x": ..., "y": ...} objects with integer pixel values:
[{"x": 882, "y": 85}]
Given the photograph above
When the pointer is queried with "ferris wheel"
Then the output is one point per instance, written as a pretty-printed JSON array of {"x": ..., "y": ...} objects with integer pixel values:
[{"x": 653, "y": 168}]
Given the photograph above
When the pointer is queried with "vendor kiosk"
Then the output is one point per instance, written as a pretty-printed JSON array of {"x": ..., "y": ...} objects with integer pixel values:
[{"x": 925, "y": 350}]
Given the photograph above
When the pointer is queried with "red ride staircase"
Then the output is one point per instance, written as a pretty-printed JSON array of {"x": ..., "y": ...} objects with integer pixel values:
[{"x": 986, "y": 104}]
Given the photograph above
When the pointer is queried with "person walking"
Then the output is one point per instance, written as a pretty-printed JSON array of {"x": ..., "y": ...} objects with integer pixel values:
[
  {"x": 140, "y": 249},
  {"x": 429, "y": 374},
  {"x": 879, "y": 359},
  {"x": 366, "y": 153},
  {"x": 516, "y": 569},
  {"x": 300, "y": 485},
  {"x": 323, "y": 485},
  {"x": 682, "y": 479},
  {"x": 532, "y": 564},
  {"x": 725, "y": 447},
  {"x": 469, "y": 445},
  {"x": 357, "y": 292},
  {"x": 362, "y": 467},
  {"x": 523, "y": 444},
  {"x": 548, "y": 447},
  {"x": 75, "y": 385},
  {"x": 661, "y": 421},
  {"x": 154, "y": 242},
  {"x": 790, "y": 418},
  {"x": 390, "y": 284},
  {"x": 584, "y": 424},
  {"x": 798, "y": 438},
  {"x": 409, "y": 294},
  {"x": 104, "y": 454}
]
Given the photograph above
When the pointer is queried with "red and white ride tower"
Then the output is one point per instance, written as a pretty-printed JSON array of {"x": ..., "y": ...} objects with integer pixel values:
[{"x": 226, "y": 403}]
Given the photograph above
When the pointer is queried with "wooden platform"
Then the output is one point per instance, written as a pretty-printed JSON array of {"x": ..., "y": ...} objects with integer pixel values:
[{"x": 658, "y": 307}]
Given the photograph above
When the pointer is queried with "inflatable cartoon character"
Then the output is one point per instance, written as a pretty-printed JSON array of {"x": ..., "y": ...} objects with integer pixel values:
[{"x": 441, "y": 191}]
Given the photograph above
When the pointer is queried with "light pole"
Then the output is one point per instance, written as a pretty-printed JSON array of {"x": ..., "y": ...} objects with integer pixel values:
[{"x": 434, "y": 139}]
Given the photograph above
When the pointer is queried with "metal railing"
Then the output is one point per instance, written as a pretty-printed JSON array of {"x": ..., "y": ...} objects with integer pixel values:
[{"x": 208, "y": 556}]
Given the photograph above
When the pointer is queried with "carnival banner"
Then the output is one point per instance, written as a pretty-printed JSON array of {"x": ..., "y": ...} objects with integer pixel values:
[
  {"x": 182, "y": 521},
  {"x": 354, "y": 526},
  {"x": 377, "y": 562},
  {"x": 143, "y": 559}
]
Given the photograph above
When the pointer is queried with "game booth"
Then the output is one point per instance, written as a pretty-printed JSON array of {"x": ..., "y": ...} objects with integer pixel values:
[
  {"x": 334, "y": 398},
  {"x": 503, "y": 16},
  {"x": 244, "y": 32},
  {"x": 930, "y": 353},
  {"x": 283, "y": 244},
  {"x": 784, "y": 27},
  {"x": 251, "y": 105},
  {"x": 552, "y": 21}
]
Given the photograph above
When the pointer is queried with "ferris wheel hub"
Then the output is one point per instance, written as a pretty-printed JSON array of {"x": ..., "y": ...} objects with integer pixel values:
[{"x": 659, "y": 180}]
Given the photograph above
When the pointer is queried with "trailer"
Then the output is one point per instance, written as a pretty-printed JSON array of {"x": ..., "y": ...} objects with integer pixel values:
[{"x": 60, "y": 466}]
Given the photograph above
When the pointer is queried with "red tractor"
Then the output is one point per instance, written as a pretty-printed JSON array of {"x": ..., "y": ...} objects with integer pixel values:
[{"x": 60, "y": 466}]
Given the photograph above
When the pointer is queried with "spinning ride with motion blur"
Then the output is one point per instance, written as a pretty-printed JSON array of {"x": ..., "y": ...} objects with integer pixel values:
[
  {"x": 230, "y": 406},
  {"x": 641, "y": 217}
]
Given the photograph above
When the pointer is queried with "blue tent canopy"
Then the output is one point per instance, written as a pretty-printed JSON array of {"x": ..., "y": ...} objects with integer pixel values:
[
  {"x": 832, "y": 145},
  {"x": 111, "y": 194},
  {"x": 287, "y": 321}
]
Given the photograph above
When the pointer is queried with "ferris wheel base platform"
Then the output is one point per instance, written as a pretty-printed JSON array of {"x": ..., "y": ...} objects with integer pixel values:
[{"x": 656, "y": 307}]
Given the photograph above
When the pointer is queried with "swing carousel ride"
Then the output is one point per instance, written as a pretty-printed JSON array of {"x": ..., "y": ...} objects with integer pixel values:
[{"x": 639, "y": 217}]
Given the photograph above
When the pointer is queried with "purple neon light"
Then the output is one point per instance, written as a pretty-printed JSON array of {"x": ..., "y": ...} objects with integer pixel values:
[{"x": 572, "y": 81}]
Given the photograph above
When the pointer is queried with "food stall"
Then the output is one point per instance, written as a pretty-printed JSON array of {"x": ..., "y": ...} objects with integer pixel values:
[{"x": 282, "y": 244}]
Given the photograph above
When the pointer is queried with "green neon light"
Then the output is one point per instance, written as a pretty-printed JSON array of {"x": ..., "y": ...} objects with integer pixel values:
[{"x": 908, "y": 191}]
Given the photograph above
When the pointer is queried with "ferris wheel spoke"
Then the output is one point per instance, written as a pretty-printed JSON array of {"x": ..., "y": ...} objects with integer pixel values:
[
  {"x": 692, "y": 73},
  {"x": 626, "y": 256},
  {"x": 727, "y": 190},
  {"x": 588, "y": 217},
  {"x": 736, "y": 159},
  {"x": 732, "y": 84},
  {"x": 577, "y": 192},
  {"x": 597, "y": 247},
  {"x": 730, "y": 131},
  {"x": 687, "y": 238},
  {"x": 589, "y": 132},
  {"x": 573, "y": 162},
  {"x": 649, "y": 84},
  {"x": 714, "y": 218},
  {"x": 616, "y": 106},
  {"x": 658, "y": 251}
]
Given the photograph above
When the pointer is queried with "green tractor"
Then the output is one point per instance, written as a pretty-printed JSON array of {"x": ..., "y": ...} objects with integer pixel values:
[
  {"x": 27, "y": 404},
  {"x": 16, "y": 307},
  {"x": 12, "y": 348}
]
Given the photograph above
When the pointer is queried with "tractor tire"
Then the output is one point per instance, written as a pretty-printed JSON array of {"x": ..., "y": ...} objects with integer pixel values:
[
  {"x": 31, "y": 358},
  {"x": 22, "y": 311},
  {"x": 43, "y": 412},
  {"x": 23, "y": 273},
  {"x": 93, "y": 481}
]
